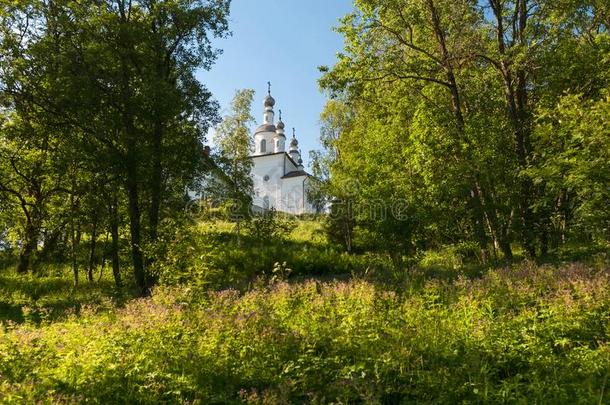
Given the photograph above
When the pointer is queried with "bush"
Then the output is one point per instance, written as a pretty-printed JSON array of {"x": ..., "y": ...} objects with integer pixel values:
[{"x": 269, "y": 226}]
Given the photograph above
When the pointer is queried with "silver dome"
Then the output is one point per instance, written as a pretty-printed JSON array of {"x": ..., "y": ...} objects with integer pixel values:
[{"x": 269, "y": 101}]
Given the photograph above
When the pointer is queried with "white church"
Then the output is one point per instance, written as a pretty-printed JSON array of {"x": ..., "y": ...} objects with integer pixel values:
[{"x": 280, "y": 180}]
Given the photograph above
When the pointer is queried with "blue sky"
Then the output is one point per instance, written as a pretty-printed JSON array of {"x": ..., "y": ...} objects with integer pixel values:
[{"x": 282, "y": 41}]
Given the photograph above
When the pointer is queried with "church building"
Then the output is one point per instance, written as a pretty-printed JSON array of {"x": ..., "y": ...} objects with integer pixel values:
[{"x": 280, "y": 180}]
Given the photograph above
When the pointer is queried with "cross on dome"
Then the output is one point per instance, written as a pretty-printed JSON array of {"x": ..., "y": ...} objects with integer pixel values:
[
  {"x": 269, "y": 101},
  {"x": 280, "y": 123},
  {"x": 293, "y": 142}
]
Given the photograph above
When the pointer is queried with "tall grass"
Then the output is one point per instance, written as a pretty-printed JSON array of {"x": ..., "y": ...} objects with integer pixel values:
[{"x": 523, "y": 334}]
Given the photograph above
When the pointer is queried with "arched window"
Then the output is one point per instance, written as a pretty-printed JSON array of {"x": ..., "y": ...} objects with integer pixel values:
[{"x": 263, "y": 146}]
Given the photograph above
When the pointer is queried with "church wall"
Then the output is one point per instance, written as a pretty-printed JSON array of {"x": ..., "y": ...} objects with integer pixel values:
[
  {"x": 268, "y": 137},
  {"x": 294, "y": 195},
  {"x": 272, "y": 166},
  {"x": 285, "y": 195}
]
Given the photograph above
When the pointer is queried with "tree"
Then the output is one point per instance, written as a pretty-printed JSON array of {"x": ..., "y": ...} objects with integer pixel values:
[
  {"x": 419, "y": 49},
  {"x": 32, "y": 154},
  {"x": 446, "y": 93},
  {"x": 576, "y": 172},
  {"x": 232, "y": 137},
  {"x": 327, "y": 191},
  {"x": 30, "y": 182},
  {"x": 116, "y": 79}
]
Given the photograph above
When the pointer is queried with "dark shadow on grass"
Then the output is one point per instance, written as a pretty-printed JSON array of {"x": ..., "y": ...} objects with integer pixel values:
[
  {"x": 36, "y": 299},
  {"x": 571, "y": 253}
]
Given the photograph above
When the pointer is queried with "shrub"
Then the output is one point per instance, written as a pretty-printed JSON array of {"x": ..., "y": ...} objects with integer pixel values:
[{"x": 269, "y": 226}]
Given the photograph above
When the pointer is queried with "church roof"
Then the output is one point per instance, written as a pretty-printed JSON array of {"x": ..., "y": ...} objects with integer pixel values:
[
  {"x": 265, "y": 128},
  {"x": 267, "y": 154},
  {"x": 296, "y": 173}
]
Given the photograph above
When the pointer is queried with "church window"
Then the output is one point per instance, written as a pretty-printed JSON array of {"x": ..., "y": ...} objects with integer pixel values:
[{"x": 263, "y": 146}]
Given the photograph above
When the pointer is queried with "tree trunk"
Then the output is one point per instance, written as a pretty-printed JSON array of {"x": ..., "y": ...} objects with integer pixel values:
[
  {"x": 132, "y": 188},
  {"x": 30, "y": 242},
  {"x": 103, "y": 258},
  {"x": 73, "y": 236},
  {"x": 114, "y": 231},
  {"x": 92, "y": 250},
  {"x": 50, "y": 244},
  {"x": 515, "y": 92},
  {"x": 349, "y": 227},
  {"x": 520, "y": 136},
  {"x": 479, "y": 223},
  {"x": 134, "y": 221},
  {"x": 73, "y": 254},
  {"x": 476, "y": 202},
  {"x": 562, "y": 208},
  {"x": 506, "y": 249},
  {"x": 156, "y": 181},
  {"x": 499, "y": 232},
  {"x": 131, "y": 156}
]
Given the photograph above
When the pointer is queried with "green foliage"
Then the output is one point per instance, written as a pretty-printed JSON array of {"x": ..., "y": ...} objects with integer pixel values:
[
  {"x": 576, "y": 137},
  {"x": 183, "y": 256},
  {"x": 280, "y": 272},
  {"x": 450, "y": 257},
  {"x": 233, "y": 182},
  {"x": 269, "y": 226},
  {"x": 212, "y": 255},
  {"x": 100, "y": 108},
  {"x": 522, "y": 334},
  {"x": 435, "y": 106}
]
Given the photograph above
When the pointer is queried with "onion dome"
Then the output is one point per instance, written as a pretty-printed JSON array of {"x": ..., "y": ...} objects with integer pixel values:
[
  {"x": 294, "y": 147},
  {"x": 265, "y": 128},
  {"x": 269, "y": 101},
  {"x": 280, "y": 124}
]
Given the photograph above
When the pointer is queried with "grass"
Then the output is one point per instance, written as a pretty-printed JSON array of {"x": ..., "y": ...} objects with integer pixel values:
[
  {"x": 50, "y": 297},
  {"x": 525, "y": 334},
  {"x": 446, "y": 332}
]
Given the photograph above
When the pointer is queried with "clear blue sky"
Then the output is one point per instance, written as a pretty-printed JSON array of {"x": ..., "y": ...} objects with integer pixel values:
[{"x": 281, "y": 41}]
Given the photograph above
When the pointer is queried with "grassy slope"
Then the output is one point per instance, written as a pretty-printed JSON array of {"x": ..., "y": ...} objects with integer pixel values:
[{"x": 521, "y": 334}]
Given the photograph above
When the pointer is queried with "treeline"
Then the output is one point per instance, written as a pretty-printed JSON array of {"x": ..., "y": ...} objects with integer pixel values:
[
  {"x": 487, "y": 123},
  {"x": 102, "y": 124}
]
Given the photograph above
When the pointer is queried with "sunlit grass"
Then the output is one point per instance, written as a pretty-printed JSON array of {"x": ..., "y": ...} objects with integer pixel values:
[{"x": 521, "y": 334}]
